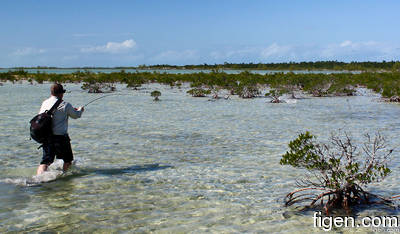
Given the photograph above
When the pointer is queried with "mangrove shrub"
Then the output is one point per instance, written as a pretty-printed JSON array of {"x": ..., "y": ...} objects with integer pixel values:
[
  {"x": 156, "y": 94},
  {"x": 339, "y": 170},
  {"x": 198, "y": 92}
]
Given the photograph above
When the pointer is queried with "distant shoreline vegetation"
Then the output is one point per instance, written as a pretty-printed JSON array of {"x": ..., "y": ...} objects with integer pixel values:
[
  {"x": 244, "y": 84},
  {"x": 318, "y": 65}
]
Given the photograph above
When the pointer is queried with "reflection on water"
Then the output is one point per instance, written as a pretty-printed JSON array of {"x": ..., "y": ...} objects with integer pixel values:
[{"x": 180, "y": 165}]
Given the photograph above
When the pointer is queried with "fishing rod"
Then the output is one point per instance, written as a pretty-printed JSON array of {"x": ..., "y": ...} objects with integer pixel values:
[{"x": 103, "y": 97}]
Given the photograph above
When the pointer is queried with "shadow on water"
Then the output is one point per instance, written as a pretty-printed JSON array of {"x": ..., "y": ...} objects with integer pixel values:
[
  {"x": 114, "y": 171},
  {"x": 58, "y": 176},
  {"x": 124, "y": 170}
]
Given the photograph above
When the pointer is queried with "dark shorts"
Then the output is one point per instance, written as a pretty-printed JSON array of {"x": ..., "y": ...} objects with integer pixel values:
[{"x": 59, "y": 146}]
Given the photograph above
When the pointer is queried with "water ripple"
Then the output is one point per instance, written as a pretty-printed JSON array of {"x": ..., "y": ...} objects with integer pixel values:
[{"x": 180, "y": 165}]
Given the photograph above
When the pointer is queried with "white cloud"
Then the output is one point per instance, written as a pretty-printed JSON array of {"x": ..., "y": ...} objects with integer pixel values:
[
  {"x": 172, "y": 55},
  {"x": 270, "y": 53},
  {"x": 28, "y": 51},
  {"x": 343, "y": 51},
  {"x": 111, "y": 47},
  {"x": 358, "y": 45},
  {"x": 234, "y": 53},
  {"x": 368, "y": 50},
  {"x": 119, "y": 53},
  {"x": 275, "y": 50},
  {"x": 346, "y": 43}
]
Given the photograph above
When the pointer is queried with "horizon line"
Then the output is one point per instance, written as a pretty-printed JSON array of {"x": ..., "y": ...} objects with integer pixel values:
[{"x": 199, "y": 65}]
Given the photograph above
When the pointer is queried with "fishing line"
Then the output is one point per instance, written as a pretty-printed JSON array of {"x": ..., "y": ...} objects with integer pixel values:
[{"x": 114, "y": 94}]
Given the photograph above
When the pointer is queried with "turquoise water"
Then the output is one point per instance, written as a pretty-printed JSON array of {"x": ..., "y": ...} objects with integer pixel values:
[{"x": 179, "y": 165}]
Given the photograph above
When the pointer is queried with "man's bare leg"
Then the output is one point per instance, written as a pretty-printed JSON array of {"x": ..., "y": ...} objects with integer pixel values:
[
  {"x": 66, "y": 166},
  {"x": 42, "y": 168}
]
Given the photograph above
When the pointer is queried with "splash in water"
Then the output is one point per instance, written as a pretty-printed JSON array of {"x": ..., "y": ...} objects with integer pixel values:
[{"x": 53, "y": 173}]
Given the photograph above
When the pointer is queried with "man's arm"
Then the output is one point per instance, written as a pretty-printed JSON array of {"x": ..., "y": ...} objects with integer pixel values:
[{"x": 72, "y": 112}]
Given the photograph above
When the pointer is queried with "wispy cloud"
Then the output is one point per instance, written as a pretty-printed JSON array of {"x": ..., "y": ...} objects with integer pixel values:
[
  {"x": 28, "y": 51},
  {"x": 111, "y": 47},
  {"x": 346, "y": 50},
  {"x": 117, "y": 53},
  {"x": 275, "y": 50},
  {"x": 231, "y": 53},
  {"x": 173, "y": 55},
  {"x": 256, "y": 53},
  {"x": 369, "y": 50},
  {"x": 346, "y": 43}
]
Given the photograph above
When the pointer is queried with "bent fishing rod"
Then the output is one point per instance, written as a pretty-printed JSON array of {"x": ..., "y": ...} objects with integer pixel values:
[{"x": 114, "y": 94}]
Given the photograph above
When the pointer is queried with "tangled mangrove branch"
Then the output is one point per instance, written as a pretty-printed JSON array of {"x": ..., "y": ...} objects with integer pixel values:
[{"x": 338, "y": 171}]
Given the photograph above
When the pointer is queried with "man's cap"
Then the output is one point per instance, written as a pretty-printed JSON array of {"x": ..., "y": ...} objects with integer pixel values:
[{"x": 57, "y": 89}]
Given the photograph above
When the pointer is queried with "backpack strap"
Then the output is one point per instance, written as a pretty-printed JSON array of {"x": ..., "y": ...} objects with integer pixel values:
[{"x": 54, "y": 107}]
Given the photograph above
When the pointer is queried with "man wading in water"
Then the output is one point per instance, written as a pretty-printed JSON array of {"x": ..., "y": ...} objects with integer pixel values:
[{"x": 59, "y": 143}]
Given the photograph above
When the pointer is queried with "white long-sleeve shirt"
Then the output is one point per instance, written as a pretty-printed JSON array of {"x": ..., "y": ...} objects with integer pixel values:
[{"x": 60, "y": 118}]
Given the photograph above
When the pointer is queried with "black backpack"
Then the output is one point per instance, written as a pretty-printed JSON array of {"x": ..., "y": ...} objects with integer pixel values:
[{"x": 41, "y": 128}]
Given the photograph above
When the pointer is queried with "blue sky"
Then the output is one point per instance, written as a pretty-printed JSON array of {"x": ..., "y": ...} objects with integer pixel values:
[{"x": 129, "y": 33}]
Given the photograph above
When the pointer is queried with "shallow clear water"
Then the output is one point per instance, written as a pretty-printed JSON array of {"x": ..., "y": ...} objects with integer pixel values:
[{"x": 179, "y": 165}]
